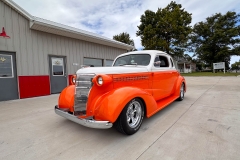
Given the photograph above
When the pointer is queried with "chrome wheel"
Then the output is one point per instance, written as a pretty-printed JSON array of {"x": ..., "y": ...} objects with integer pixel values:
[
  {"x": 134, "y": 113},
  {"x": 181, "y": 95},
  {"x": 182, "y": 91},
  {"x": 131, "y": 117}
]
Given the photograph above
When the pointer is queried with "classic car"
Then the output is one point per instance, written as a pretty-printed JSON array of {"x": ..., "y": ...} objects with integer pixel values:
[{"x": 137, "y": 85}]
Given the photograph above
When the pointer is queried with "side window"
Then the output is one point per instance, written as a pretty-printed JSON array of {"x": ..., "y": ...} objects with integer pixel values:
[
  {"x": 163, "y": 61},
  {"x": 157, "y": 62}
]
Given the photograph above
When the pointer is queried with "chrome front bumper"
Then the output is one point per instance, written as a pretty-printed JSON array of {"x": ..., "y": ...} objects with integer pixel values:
[{"x": 90, "y": 122}]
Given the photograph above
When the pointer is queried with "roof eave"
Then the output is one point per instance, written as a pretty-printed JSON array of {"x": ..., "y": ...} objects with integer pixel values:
[
  {"x": 18, "y": 9},
  {"x": 63, "y": 31}
]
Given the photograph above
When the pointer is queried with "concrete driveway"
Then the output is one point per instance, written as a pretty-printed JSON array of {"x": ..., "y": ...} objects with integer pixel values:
[{"x": 205, "y": 125}]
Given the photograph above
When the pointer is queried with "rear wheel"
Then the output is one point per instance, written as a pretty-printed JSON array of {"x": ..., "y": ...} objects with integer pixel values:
[
  {"x": 131, "y": 117},
  {"x": 181, "y": 95}
]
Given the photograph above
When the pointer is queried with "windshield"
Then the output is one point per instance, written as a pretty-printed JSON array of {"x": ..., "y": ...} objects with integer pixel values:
[{"x": 133, "y": 59}]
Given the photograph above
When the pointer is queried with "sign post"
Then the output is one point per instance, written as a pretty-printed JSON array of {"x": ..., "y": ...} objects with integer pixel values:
[{"x": 220, "y": 65}]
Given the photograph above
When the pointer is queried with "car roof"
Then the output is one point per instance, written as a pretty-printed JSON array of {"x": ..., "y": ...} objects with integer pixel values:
[{"x": 154, "y": 52}]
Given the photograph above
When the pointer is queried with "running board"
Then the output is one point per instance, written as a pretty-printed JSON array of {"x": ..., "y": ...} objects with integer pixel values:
[{"x": 164, "y": 103}]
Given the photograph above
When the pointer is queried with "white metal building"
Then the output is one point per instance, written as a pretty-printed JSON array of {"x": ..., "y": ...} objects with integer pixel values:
[{"x": 40, "y": 56}]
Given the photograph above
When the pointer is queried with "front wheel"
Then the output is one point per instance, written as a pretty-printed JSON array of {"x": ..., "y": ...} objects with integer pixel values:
[
  {"x": 131, "y": 117},
  {"x": 181, "y": 95}
]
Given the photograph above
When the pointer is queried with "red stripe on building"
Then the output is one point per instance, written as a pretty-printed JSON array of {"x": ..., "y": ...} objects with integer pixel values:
[{"x": 33, "y": 86}]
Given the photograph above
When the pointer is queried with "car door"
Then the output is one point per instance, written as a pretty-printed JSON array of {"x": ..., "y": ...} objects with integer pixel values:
[
  {"x": 175, "y": 74},
  {"x": 162, "y": 77}
]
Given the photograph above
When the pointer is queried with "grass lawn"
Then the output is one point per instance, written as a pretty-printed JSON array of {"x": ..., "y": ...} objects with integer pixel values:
[{"x": 210, "y": 74}]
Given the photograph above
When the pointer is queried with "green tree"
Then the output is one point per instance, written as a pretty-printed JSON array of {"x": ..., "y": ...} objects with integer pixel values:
[
  {"x": 187, "y": 57},
  {"x": 165, "y": 30},
  {"x": 124, "y": 38},
  {"x": 216, "y": 39},
  {"x": 235, "y": 66}
]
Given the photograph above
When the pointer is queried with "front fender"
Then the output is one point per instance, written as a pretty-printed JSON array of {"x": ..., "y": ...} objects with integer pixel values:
[
  {"x": 114, "y": 101},
  {"x": 66, "y": 98}
]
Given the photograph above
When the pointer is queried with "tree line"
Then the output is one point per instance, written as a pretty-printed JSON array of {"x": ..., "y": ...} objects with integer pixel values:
[{"x": 168, "y": 29}]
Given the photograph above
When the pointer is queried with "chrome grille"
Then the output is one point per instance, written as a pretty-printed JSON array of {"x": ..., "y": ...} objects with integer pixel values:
[{"x": 83, "y": 86}]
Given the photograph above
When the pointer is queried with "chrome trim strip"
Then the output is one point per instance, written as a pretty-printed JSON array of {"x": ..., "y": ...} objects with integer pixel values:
[
  {"x": 84, "y": 81},
  {"x": 91, "y": 123},
  {"x": 82, "y": 89}
]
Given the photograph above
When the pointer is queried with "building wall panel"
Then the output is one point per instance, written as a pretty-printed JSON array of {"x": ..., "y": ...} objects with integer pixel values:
[
  {"x": 8, "y": 26},
  {"x": 3, "y": 44},
  {"x": 45, "y": 53},
  {"x": 33, "y": 47}
]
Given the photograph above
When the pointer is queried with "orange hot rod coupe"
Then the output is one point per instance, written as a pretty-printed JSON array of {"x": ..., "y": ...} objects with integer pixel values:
[{"x": 138, "y": 84}]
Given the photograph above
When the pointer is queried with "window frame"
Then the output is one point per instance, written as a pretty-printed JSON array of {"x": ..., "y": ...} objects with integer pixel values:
[
  {"x": 57, "y": 65},
  {"x": 11, "y": 66}
]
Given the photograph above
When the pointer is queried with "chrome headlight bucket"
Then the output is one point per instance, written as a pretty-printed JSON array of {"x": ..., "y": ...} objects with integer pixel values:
[{"x": 100, "y": 81}]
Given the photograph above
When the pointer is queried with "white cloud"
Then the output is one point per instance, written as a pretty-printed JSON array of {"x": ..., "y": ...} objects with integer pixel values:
[{"x": 111, "y": 17}]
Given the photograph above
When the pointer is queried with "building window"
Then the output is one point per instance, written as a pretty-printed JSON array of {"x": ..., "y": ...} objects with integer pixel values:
[
  {"x": 108, "y": 63},
  {"x": 6, "y": 66},
  {"x": 57, "y": 67},
  {"x": 93, "y": 62}
]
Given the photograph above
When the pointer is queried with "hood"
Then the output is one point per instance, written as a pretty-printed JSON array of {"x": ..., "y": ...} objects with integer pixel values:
[{"x": 112, "y": 70}]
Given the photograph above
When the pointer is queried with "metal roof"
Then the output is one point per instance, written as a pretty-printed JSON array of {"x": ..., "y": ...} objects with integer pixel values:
[{"x": 64, "y": 30}]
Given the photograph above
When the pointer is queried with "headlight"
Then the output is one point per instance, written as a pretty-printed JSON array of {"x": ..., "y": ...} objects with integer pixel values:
[{"x": 100, "y": 80}]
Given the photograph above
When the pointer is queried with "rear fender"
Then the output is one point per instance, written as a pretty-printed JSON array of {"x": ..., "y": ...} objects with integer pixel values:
[
  {"x": 111, "y": 104},
  {"x": 180, "y": 80}
]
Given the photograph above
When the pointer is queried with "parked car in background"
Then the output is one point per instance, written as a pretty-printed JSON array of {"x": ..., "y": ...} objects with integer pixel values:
[{"x": 137, "y": 85}]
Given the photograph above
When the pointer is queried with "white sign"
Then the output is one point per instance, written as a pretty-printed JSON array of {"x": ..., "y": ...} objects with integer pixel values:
[
  {"x": 57, "y": 61},
  {"x": 220, "y": 65}
]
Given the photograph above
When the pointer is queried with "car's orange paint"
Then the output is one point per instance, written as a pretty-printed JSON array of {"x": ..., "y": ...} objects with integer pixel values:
[
  {"x": 163, "y": 83},
  {"x": 139, "y": 80},
  {"x": 162, "y": 104},
  {"x": 66, "y": 98},
  {"x": 95, "y": 95},
  {"x": 105, "y": 102},
  {"x": 113, "y": 102}
]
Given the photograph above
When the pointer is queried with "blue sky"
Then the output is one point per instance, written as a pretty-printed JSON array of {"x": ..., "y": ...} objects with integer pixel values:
[{"x": 111, "y": 17}]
